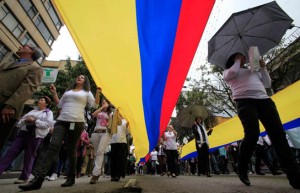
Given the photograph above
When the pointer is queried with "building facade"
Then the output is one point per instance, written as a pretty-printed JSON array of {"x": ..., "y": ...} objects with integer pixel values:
[{"x": 24, "y": 22}]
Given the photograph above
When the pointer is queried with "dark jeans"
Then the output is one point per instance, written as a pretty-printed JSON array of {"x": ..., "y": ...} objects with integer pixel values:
[
  {"x": 118, "y": 162},
  {"x": 261, "y": 154},
  {"x": 61, "y": 129},
  {"x": 6, "y": 130},
  {"x": 203, "y": 158},
  {"x": 249, "y": 112},
  {"x": 162, "y": 163},
  {"x": 172, "y": 157}
]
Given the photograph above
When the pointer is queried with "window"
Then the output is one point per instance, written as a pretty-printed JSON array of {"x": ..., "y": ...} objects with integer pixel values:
[
  {"x": 13, "y": 58},
  {"x": 28, "y": 7},
  {"x": 49, "y": 7},
  {"x": 44, "y": 30},
  {"x": 25, "y": 39},
  {"x": 10, "y": 22},
  {"x": 3, "y": 51},
  {"x": 3, "y": 12},
  {"x": 18, "y": 31},
  {"x": 38, "y": 21}
]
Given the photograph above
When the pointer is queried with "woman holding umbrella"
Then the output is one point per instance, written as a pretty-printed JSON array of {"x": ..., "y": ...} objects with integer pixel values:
[{"x": 253, "y": 104}]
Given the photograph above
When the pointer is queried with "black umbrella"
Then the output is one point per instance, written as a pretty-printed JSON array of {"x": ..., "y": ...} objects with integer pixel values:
[{"x": 261, "y": 26}]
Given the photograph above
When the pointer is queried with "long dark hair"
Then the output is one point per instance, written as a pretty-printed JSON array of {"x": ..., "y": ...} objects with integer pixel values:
[
  {"x": 109, "y": 108},
  {"x": 197, "y": 121},
  {"x": 231, "y": 60},
  {"x": 86, "y": 84}
]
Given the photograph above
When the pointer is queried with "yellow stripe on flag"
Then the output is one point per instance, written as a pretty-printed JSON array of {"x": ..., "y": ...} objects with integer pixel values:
[{"x": 105, "y": 33}]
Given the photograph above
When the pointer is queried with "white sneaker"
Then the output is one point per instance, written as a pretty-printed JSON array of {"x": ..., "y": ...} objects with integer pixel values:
[
  {"x": 53, "y": 177},
  {"x": 30, "y": 177},
  {"x": 47, "y": 177},
  {"x": 20, "y": 181}
]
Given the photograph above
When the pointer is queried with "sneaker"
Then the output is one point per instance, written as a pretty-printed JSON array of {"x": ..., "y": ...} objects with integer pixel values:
[
  {"x": 47, "y": 177},
  {"x": 53, "y": 177},
  {"x": 30, "y": 177},
  {"x": 20, "y": 181}
]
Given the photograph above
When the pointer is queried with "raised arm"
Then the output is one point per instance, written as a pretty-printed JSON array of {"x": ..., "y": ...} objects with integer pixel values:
[
  {"x": 54, "y": 94},
  {"x": 265, "y": 77},
  {"x": 97, "y": 95}
]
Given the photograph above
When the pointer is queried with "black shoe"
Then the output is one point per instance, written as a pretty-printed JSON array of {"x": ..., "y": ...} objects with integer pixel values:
[
  {"x": 69, "y": 182},
  {"x": 260, "y": 173},
  {"x": 116, "y": 179},
  {"x": 208, "y": 174},
  {"x": 244, "y": 178},
  {"x": 35, "y": 184},
  {"x": 275, "y": 173},
  {"x": 294, "y": 179}
]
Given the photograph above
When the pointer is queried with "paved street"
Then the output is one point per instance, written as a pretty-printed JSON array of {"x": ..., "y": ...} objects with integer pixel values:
[{"x": 158, "y": 184}]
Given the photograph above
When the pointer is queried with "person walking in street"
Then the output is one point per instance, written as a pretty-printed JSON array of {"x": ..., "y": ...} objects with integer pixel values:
[
  {"x": 261, "y": 154},
  {"x": 88, "y": 163},
  {"x": 153, "y": 158},
  {"x": 202, "y": 146},
  {"x": 253, "y": 104},
  {"x": 34, "y": 126},
  {"x": 70, "y": 123},
  {"x": 171, "y": 150},
  {"x": 100, "y": 138},
  {"x": 161, "y": 156},
  {"x": 119, "y": 151},
  {"x": 19, "y": 80}
]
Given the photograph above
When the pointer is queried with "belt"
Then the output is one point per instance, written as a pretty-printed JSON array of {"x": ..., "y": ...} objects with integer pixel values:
[{"x": 100, "y": 131}]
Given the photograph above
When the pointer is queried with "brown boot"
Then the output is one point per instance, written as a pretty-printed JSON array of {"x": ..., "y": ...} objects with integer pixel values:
[{"x": 94, "y": 179}]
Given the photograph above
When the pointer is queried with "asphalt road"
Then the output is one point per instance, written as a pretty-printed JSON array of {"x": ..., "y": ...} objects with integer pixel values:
[{"x": 158, "y": 184}]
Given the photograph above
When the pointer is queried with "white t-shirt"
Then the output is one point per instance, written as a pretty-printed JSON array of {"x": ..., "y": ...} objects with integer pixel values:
[
  {"x": 122, "y": 131},
  {"x": 73, "y": 103},
  {"x": 170, "y": 140},
  {"x": 153, "y": 155}
]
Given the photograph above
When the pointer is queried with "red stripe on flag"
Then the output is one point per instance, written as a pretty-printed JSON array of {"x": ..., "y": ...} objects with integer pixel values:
[{"x": 192, "y": 21}]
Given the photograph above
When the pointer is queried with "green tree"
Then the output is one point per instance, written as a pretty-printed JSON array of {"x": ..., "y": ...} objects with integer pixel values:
[{"x": 191, "y": 97}]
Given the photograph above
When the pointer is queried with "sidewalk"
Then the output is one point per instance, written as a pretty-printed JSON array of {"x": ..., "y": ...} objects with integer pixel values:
[{"x": 12, "y": 174}]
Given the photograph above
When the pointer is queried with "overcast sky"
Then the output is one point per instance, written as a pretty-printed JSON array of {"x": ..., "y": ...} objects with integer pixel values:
[{"x": 65, "y": 47}]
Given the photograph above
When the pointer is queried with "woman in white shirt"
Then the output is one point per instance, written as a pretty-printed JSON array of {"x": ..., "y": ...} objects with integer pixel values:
[
  {"x": 34, "y": 126},
  {"x": 253, "y": 104},
  {"x": 119, "y": 152},
  {"x": 171, "y": 150},
  {"x": 161, "y": 156},
  {"x": 100, "y": 138},
  {"x": 70, "y": 123}
]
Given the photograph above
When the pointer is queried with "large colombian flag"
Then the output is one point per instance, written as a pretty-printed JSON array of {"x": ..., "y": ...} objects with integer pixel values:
[
  {"x": 288, "y": 105},
  {"x": 139, "y": 52}
]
